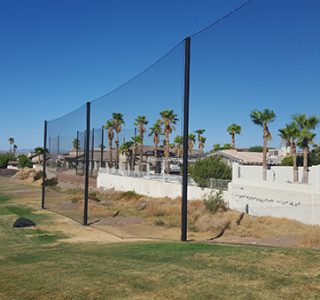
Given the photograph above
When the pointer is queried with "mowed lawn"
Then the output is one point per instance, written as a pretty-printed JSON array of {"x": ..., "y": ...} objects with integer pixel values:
[{"x": 38, "y": 264}]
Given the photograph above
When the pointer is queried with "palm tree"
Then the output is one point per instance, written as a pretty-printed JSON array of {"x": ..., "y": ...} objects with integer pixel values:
[
  {"x": 201, "y": 144},
  {"x": 140, "y": 122},
  {"x": 135, "y": 140},
  {"x": 289, "y": 134},
  {"x": 11, "y": 142},
  {"x": 305, "y": 125},
  {"x": 110, "y": 127},
  {"x": 199, "y": 133},
  {"x": 39, "y": 151},
  {"x": 15, "y": 147},
  {"x": 233, "y": 129},
  {"x": 76, "y": 144},
  {"x": 118, "y": 121},
  {"x": 169, "y": 118},
  {"x": 263, "y": 118},
  {"x": 191, "y": 141},
  {"x": 156, "y": 131},
  {"x": 125, "y": 148},
  {"x": 178, "y": 141}
]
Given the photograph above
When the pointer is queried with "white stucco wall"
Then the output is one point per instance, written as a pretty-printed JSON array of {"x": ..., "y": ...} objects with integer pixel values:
[
  {"x": 298, "y": 202},
  {"x": 150, "y": 187}
]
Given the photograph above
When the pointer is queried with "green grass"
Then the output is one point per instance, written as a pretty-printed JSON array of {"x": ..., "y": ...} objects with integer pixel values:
[{"x": 34, "y": 264}]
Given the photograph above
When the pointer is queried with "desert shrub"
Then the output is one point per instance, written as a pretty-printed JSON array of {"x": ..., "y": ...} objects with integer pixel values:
[
  {"x": 94, "y": 196},
  {"x": 210, "y": 167},
  {"x": 159, "y": 222},
  {"x": 213, "y": 202},
  {"x": 4, "y": 159},
  {"x": 130, "y": 195},
  {"x": 38, "y": 175},
  {"x": 24, "y": 161},
  {"x": 51, "y": 181}
]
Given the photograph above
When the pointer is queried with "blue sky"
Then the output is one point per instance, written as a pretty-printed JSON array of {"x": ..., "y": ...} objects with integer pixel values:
[{"x": 56, "y": 55}]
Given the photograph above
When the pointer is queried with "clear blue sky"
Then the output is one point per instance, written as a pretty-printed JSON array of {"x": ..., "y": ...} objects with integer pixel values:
[{"x": 56, "y": 55}]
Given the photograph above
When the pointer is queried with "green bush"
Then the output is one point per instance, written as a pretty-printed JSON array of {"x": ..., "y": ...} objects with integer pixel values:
[
  {"x": 24, "y": 161},
  {"x": 210, "y": 167},
  {"x": 213, "y": 202},
  {"x": 4, "y": 159},
  {"x": 256, "y": 149},
  {"x": 288, "y": 161}
]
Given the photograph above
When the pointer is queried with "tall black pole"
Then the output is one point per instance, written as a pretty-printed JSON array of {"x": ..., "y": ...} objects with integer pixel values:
[
  {"x": 77, "y": 152},
  {"x": 102, "y": 146},
  {"x": 92, "y": 152},
  {"x": 58, "y": 144},
  {"x": 184, "y": 202},
  {"x": 44, "y": 164},
  {"x": 86, "y": 180}
]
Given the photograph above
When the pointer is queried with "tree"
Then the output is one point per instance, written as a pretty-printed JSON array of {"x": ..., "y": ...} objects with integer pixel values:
[
  {"x": 256, "y": 149},
  {"x": 199, "y": 133},
  {"x": 76, "y": 144},
  {"x": 15, "y": 147},
  {"x": 117, "y": 123},
  {"x": 191, "y": 141},
  {"x": 136, "y": 141},
  {"x": 306, "y": 125},
  {"x": 178, "y": 142},
  {"x": 263, "y": 118},
  {"x": 233, "y": 129},
  {"x": 202, "y": 142},
  {"x": 39, "y": 151},
  {"x": 125, "y": 148},
  {"x": 209, "y": 167},
  {"x": 289, "y": 134},
  {"x": 24, "y": 161},
  {"x": 11, "y": 142},
  {"x": 156, "y": 131},
  {"x": 216, "y": 147},
  {"x": 110, "y": 128},
  {"x": 169, "y": 118},
  {"x": 140, "y": 122}
]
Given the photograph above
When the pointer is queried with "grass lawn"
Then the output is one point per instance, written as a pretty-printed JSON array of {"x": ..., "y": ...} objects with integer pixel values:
[{"x": 39, "y": 264}]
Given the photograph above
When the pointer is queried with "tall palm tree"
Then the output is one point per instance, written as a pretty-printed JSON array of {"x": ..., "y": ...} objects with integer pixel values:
[
  {"x": 178, "y": 141},
  {"x": 199, "y": 133},
  {"x": 136, "y": 141},
  {"x": 117, "y": 123},
  {"x": 263, "y": 118},
  {"x": 156, "y": 131},
  {"x": 233, "y": 129},
  {"x": 289, "y": 134},
  {"x": 168, "y": 119},
  {"x": 140, "y": 122},
  {"x": 39, "y": 151},
  {"x": 201, "y": 144},
  {"x": 191, "y": 142},
  {"x": 125, "y": 149},
  {"x": 11, "y": 142},
  {"x": 305, "y": 125},
  {"x": 110, "y": 128},
  {"x": 15, "y": 147}
]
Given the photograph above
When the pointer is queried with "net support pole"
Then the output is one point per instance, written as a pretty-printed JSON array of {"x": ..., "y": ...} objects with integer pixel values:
[
  {"x": 44, "y": 164},
  {"x": 92, "y": 152},
  {"x": 102, "y": 147},
  {"x": 77, "y": 152},
  {"x": 184, "y": 201},
  {"x": 87, "y": 162}
]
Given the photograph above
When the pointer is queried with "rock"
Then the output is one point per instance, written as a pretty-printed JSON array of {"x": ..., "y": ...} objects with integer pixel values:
[{"x": 23, "y": 222}]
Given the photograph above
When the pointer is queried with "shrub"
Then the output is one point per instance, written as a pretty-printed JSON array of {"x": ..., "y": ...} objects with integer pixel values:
[
  {"x": 210, "y": 167},
  {"x": 38, "y": 175},
  {"x": 256, "y": 149},
  {"x": 24, "y": 161},
  {"x": 213, "y": 202},
  {"x": 130, "y": 195},
  {"x": 288, "y": 161},
  {"x": 159, "y": 222},
  {"x": 4, "y": 159},
  {"x": 51, "y": 181}
]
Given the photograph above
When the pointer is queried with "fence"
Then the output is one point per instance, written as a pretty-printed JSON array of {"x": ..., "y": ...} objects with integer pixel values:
[{"x": 248, "y": 68}]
